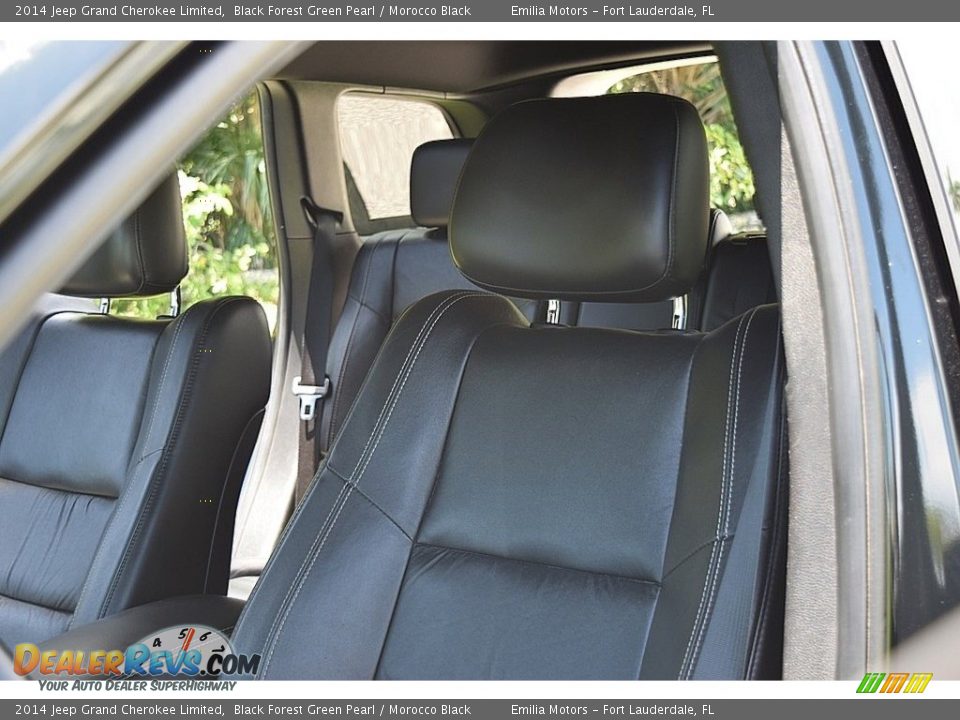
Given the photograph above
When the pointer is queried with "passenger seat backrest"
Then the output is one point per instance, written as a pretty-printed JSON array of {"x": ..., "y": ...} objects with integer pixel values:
[
  {"x": 122, "y": 442},
  {"x": 518, "y": 501}
]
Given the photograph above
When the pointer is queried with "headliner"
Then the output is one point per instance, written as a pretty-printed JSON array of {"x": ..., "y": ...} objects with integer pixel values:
[{"x": 460, "y": 67}]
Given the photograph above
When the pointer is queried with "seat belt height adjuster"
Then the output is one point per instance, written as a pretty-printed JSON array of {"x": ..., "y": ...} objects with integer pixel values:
[{"x": 309, "y": 395}]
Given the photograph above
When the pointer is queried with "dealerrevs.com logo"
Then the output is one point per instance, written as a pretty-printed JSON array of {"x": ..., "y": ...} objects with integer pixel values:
[
  {"x": 894, "y": 683},
  {"x": 192, "y": 651}
]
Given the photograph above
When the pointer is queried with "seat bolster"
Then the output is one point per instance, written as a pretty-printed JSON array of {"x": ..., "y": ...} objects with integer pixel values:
[
  {"x": 367, "y": 501},
  {"x": 209, "y": 379},
  {"x": 364, "y": 322},
  {"x": 734, "y": 388}
]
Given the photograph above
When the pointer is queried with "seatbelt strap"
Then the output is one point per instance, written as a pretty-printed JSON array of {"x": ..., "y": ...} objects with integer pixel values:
[
  {"x": 312, "y": 385},
  {"x": 729, "y": 634}
]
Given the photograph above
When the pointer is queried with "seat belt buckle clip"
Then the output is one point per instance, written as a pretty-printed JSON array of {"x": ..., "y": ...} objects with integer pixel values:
[{"x": 309, "y": 395}]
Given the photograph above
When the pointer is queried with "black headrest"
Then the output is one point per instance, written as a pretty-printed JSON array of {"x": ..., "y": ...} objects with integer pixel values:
[
  {"x": 146, "y": 255},
  {"x": 594, "y": 199},
  {"x": 434, "y": 172}
]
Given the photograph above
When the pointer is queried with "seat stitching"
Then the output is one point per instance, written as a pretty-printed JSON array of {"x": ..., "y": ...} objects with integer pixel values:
[
  {"x": 31, "y": 346},
  {"x": 686, "y": 558},
  {"x": 372, "y": 502},
  {"x": 338, "y": 388},
  {"x": 303, "y": 575},
  {"x": 277, "y": 626},
  {"x": 408, "y": 363},
  {"x": 538, "y": 563},
  {"x": 396, "y": 397},
  {"x": 333, "y": 507},
  {"x": 137, "y": 232},
  {"x": 154, "y": 483},
  {"x": 124, "y": 496},
  {"x": 290, "y": 524},
  {"x": 50, "y": 488},
  {"x": 50, "y": 608},
  {"x": 446, "y": 305},
  {"x": 776, "y": 533},
  {"x": 118, "y": 512},
  {"x": 380, "y": 316},
  {"x": 223, "y": 492},
  {"x": 732, "y": 475},
  {"x": 720, "y": 510},
  {"x": 163, "y": 379},
  {"x": 672, "y": 235},
  {"x": 434, "y": 484}
]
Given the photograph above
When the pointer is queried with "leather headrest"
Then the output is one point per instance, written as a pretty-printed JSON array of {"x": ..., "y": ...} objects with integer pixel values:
[
  {"x": 594, "y": 199},
  {"x": 146, "y": 255},
  {"x": 434, "y": 172}
]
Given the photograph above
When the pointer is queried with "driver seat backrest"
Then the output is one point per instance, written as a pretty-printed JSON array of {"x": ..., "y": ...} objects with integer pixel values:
[
  {"x": 123, "y": 442},
  {"x": 508, "y": 501}
]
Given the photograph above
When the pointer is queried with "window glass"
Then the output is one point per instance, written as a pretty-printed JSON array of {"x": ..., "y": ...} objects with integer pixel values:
[
  {"x": 44, "y": 77},
  {"x": 378, "y": 135},
  {"x": 228, "y": 219},
  {"x": 697, "y": 80},
  {"x": 939, "y": 106}
]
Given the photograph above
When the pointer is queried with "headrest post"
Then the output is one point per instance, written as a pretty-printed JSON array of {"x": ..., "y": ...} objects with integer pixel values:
[
  {"x": 104, "y": 306},
  {"x": 175, "y": 302},
  {"x": 553, "y": 312},
  {"x": 680, "y": 313}
]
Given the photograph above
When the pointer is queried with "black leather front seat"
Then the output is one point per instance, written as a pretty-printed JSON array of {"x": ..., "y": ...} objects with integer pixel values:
[
  {"x": 123, "y": 442},
  {"x": 516, "y": 501}
]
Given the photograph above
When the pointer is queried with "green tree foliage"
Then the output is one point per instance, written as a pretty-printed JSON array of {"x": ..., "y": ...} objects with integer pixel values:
[
  {"x": 230, "y": 159},
  {"x": 227, "y": 217},
  {"x": 731, "y": 181}
]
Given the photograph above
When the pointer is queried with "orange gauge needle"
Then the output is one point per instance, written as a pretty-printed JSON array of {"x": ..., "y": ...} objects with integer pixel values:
[{"x": 186, "y": 641}]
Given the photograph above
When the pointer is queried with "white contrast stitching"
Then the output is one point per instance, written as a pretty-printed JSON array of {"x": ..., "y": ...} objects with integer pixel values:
[
  {"x": 303, "y": 503},
  {"x": 364, "y": 459},
  {"x": 338, "y": 388},
  {"x": 163, "y": 378},
  {"x": 732, "y": 474},
  {"x": 152, "y": 485},
  {"x": 684, "y": 664},
  {"x": 153, "y": 414}
]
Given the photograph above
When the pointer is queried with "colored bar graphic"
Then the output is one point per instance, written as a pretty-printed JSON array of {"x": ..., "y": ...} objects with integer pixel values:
[
  {"x": 894, "y": 682},
  {"x": 871, "y": 682},
  {"x": 918, "y": 682}
]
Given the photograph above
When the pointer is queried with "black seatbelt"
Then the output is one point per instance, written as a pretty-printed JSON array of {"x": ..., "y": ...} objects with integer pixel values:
[{"x": 313, "y": 383}]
